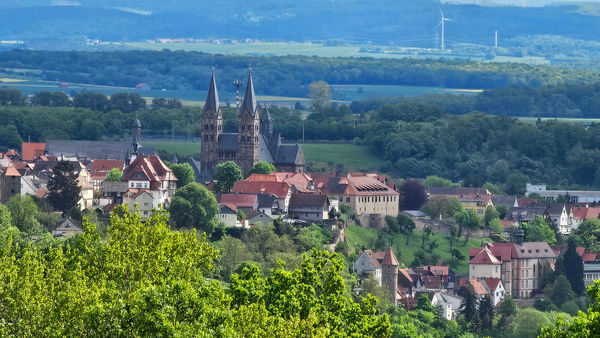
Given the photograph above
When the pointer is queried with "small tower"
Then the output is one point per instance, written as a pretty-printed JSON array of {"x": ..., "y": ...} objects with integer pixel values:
[
  {"x": 389, "y": 273},
  {"x": 248, "y": 129},
  {"x": 266, "y": 123},
  {"x": 212, "y": 124},
  {"x": 136, "y": 131},
  {"x": 519, "y": 235}
]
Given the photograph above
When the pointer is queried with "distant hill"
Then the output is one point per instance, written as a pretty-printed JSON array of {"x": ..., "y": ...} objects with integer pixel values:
[{"x": 384, "y": 22}]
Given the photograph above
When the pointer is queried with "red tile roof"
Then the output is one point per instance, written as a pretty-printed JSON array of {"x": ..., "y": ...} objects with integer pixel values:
[
  {"x": 586, "y": 213},
  {"x": 390, "y": 258},
  {"x": 478, "y": 288},
  {"x": 239, "y": 200},
  {"x": 31, "y": 151},
  {"x": 438, "y": 270},
  {"x": 525, "y": 202},
  {"x": 11, "y": 171},
  {"x": 106, "y": 165},
  {"x": 279, "y": 189},
  {"x": 492, "y": 283},
  {"x": 152, "y": 168},
  {"x": 365, "y": 186},
  {"x": 485, "y": 256}
]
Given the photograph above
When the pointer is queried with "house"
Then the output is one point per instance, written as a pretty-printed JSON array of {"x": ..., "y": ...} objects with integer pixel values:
[
  {"x": 495, "y": 288},
  {"x": 526, "y": 214},
  {"x": 142, "y": 200},
  {"x": 228, "y": 215},
  {"x": 247, "y": 203},
  {"x": 282, "y": 190},
  {"x": 112, "y": 193},
  {"x": 580, "y": 214},
  {"x": 300, "y": 181},
  {"x": 268, "y": 204},
  {"x": 366, "y": 195},
  {"x": 100, "y": 168},
  {"x": 557, "y": 213},
  {"x": 151, "y": 174},
  {"x": 383, "y": 267},
  {"x": 309, "y": 207},
  {"x": 478, "y": 289},
  {"x": 450, "y": 304},
  {"x": 521, "y": 264},
  {"x": 256, "y": 217},
  {"x": 368, "y": 265},
  {"x": 67, "y": 227}
]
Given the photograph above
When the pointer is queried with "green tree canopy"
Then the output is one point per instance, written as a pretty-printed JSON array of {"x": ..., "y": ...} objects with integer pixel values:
[
  {"x": 587, "y": 234},
  {"x": 227, "y": 174},
  {"x": 262, "y": 167},
  {"x": 114, "y": 175},
  {"x": 442, "y": 206},
  {"x": 539, "y": 231},
  {"x": 573, "y": 264},
  {"x": 23, "y": 212},
  {"x": 184, "y": 173},
  {"x": 320, "y": 95},
  {"x": 436, "y": 181},
  {"x": 194, "y": 206}
]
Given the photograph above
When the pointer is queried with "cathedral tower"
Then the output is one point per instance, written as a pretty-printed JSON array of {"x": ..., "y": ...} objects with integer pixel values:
[
  {"x": 212, "y": 124},
  {"x": 248, "y": 129}
]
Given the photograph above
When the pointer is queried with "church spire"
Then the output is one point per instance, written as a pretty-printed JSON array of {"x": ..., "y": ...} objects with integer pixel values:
[
  {"x": 249, "y": 98},
  {"x": 212, "y": 99}
]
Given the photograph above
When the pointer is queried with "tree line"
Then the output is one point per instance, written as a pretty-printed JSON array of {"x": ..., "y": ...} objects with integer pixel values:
[{"x": 280, "y": 75}]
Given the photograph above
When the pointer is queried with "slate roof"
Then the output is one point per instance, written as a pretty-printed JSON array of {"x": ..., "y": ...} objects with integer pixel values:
[
  {"x": 508, "y": 201},
  {"x": 249, "y": 102},
  {"x": 524, "y": 213},
  {"x": 304, "y": 200},
  {"x": 288, "y": 154},
  {"x": 119, "y": 150},
  {"x": 212, "y": 99},
  {"x": 227, "y": 141}
]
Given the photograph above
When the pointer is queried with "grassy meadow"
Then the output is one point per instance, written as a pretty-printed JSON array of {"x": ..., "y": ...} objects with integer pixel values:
[
  {"x": 360, "y": 238},
  {"x": 353, "y": 157}
]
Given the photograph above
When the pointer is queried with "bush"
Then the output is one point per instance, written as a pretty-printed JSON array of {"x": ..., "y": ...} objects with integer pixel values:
[{"x": 570, "y": 307}]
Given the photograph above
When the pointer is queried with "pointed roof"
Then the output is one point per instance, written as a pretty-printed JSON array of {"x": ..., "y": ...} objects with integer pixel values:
[
  {"x": 249, "y": 98},
  {"x": 212, "y": 98},
  {"x": 485, "y": 256},
  {"x": 390, "y": 258}
]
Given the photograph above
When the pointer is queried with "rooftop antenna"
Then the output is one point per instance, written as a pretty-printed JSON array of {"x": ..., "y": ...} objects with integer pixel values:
[{"x": 443, "y": 24}]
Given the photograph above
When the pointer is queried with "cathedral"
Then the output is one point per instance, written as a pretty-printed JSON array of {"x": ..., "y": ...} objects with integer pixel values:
[{"x": 255, "y": 140}]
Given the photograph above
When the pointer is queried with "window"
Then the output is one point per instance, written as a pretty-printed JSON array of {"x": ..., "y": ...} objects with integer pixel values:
[
  {"x": 146, "y": 204},
  {"x": 347, "y": 199},
  {"x": 146, "y": 212}
]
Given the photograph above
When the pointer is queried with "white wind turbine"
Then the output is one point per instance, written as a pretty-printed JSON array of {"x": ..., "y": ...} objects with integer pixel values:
[{"x": 443, "y": 24}]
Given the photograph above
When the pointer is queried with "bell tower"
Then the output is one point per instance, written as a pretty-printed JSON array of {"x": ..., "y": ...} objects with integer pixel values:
[
  {"x": 248, "y": 129},
  {"x": 212, "y": 126}
]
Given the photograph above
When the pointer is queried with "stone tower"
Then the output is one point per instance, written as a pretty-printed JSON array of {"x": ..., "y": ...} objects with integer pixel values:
[
  {"x": 389, "y": 273},
  {"x": 212, "y": 124},
  {"x": 248, "y": 129}
]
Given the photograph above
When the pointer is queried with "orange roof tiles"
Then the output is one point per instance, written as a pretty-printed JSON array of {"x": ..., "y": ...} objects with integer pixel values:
[
  {"x": 279, "y": 189},
  {"x": 485, "y": 256},
  {"x": 390, "y": 258},
  {"x": 239, "y": 200},
  {"x": 478, "y": 288},
  {"x": 31, "y": 151},
  {"x": 11, "y": 171}
]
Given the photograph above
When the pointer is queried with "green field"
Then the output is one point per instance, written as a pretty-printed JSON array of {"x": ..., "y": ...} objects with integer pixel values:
[
  {"x": 181, "y": 148},
  {"x": 359, "y": 92},
  {"x": 359, "y": 238},
  {"x": 323, "y": 156},
  {"x": 352, "y": 157}
]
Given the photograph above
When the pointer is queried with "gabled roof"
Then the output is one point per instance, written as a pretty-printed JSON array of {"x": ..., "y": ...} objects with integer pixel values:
[
  {"x": 266, "y": 200},
  {"x": 390, "y": 258},
  {"x": 279, "y": 189},
  {"x": 106, "y": 165},
  {"x": 586, "y": 213},
  {"x": 239, "y": 200},
  {"x": 11, "y": 171},
  {"x": 533, "y": 250},
  {"x": 478, "y": 288},
  {"x": 508, "y": 201},
  {"x": 492, "y": 283},
  {"x": 485, "y": 256},
  {"x": 31, "y": 150},
  {"x": 151, "y": 167},
  {"x": 227, "y": 208},
  {"x": 525, "y": 213},
  {"x": 304, "y": 200},
  {"x": 288, "y": 154},
  {"x": 365, "y": 186}
]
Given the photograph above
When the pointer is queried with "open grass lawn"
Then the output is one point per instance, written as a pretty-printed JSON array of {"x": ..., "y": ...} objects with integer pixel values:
[
  {"x": 359, "y": 238},
  {"x": 351, "y": 156},
  {"x": 181, "y": 148}
]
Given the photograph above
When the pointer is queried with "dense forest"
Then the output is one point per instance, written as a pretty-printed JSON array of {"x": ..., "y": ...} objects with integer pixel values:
[{"x": 285, "y": 75}]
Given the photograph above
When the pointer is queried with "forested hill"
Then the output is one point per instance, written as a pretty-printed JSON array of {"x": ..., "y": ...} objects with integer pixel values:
[
  {"x": 399, "y": 22},
  {"x": 285, "y": 75}
]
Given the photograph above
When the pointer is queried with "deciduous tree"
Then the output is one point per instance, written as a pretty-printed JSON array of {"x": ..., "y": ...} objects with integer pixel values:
[
  {"x": 194, "y": 206},
  {"x": 63, "y": 186},
  {"x": 227, "y": 174}
]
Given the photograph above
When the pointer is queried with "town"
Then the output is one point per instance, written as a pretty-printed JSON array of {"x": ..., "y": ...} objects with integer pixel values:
[{"x": 524, "y": 256}]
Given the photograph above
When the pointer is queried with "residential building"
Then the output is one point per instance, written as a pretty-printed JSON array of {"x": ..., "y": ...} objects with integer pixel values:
[
  {"x": 282, "y": 190},
  {"x": 580, "y": 214},
  {"x": 485, "y": 265},
  {"x": 450, "y": 304},
  {"x": 228, "y": 215},
  {"x": 151, "y": 174},
  {"x": 258, "y": 217},
  {"x": 67, "y": 227},
  {"x": 142, "y": 200},
  {"x": 477, "y": 199},
  {"x": 268, "y": 204},
  {"x": 495, "y": 288},
  {"x": 100, "y": 168},
  {"x": 247, "y": 203},
  {"x": 31, "y": 151},
  {"x": 309, "y": 207}
]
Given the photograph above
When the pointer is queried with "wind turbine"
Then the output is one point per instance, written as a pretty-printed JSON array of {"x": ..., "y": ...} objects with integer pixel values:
[{"x": 443, "y": 23}]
